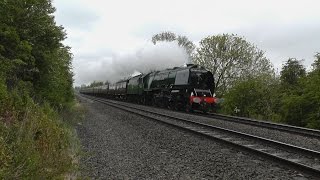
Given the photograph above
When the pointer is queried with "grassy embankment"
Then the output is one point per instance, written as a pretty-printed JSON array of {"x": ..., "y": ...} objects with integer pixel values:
[{"x": 37, "y": 142}]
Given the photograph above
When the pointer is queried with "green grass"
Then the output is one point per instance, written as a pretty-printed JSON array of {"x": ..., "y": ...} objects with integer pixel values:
[{"x": 36, "y": 142}]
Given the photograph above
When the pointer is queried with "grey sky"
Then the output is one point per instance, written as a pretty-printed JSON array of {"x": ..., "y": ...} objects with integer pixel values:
[{"x": 107, "y": 34}]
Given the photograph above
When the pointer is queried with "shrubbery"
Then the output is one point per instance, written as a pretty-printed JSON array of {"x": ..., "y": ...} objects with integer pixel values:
[
  {"x": 292, "y": 98},
  {"x": 34, "y": 142},
  {"x": 253, "y": 97}
]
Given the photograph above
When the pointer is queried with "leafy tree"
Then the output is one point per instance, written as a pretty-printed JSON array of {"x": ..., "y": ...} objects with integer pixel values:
[
  {"x": 35, "y": 81},
  {"x": 299, "y": 94},
  {"x": 311, "y": 94},
  {"x": 230, "y": 58},
  {"x": 293, "y": 109},
  {"x": 253, "y": 97},
  {"x": 291, "y": 72},
  {"x": 183, "y": 41},
  {"x": 55, "y": 81},
  {"x": 316, "y": 64},
  {"x": 31, "y": 51}
]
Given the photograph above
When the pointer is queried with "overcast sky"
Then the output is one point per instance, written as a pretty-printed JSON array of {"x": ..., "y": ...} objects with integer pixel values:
[{"x": 105, "y": 35}]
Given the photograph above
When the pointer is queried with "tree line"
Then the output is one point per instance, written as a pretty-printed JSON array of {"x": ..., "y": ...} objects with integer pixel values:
[
  {"x": 35, "y": 89},
  {"x": 32, "y": 55}
]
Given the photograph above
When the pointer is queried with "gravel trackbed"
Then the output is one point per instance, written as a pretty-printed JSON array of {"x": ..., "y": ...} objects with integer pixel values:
[{"x": 119, "y": 145}]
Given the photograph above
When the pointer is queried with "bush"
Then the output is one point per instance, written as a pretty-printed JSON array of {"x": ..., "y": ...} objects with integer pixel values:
[
  {"x": 34, "y": 142},
  {"x": 251, "y": 97}
]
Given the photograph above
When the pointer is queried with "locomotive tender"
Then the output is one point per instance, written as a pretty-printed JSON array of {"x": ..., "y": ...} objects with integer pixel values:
[{"x": 183, "y": 88}]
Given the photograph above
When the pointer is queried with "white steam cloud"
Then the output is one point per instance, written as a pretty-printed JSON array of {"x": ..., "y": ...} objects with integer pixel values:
[{"x": 152, "y": 57}]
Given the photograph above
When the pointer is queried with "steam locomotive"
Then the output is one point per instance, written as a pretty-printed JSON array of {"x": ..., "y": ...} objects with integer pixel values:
[{"x": 181, "y": 88}]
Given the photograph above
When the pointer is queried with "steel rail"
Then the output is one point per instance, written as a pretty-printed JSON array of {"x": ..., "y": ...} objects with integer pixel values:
[{"x": 270, "y": 125}]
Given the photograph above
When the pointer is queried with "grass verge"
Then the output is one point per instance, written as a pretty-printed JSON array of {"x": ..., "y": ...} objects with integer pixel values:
[{"x": 37, "y": 142}]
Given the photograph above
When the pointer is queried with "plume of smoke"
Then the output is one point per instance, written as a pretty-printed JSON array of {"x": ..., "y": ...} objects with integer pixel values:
[{"x": 149, "y": 58}]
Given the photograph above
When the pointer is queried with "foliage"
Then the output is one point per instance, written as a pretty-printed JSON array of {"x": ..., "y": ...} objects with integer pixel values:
[
  {"x": 316, "y": 64},
  {"x": 31, "y": 51},
  {"x": 300, "y": 94},
  {"x": 230, "y": 58},
  {"x": 35, "y": 143},
  {"x": 253, "y": 97},
  {"x": 183, "y": 41},
  {"x": 35, "y": 81},
  {"x": 291, "y": 72},
  {"x": 312, "y": 96},
  {"x": 292, "y": 103},
  {"x": 293, "y": 98}
]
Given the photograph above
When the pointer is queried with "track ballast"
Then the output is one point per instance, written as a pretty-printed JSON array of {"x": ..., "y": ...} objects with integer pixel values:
[{"x": 299, "y": 158}]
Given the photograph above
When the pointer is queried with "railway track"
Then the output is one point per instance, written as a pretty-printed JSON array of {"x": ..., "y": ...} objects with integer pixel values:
[
  {"x": 276, "y": 126},
  {"x": 301, "y": 159}
]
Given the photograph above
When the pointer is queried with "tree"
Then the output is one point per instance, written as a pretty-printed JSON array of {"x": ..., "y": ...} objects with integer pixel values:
[
  {"x": 253, "y": 98},
  {"x": 316, "y": 64},
  {"x": 291, "y": 72},
  {"x": 312, "y": 95},
  {"x": 183, "y": 41},
  {"x": 35, "y": 81},
  {"x": 229, "y": 58},
  {"x": 32, "y": 53},
  {"x": 299, "y": 97}
]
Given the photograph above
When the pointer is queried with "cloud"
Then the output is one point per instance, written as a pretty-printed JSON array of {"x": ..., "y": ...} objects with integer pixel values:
[
  {"x": 282, "y": 41},
  {"x": 75, "y": 15},
  {"x": 100, "y": 32}
]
